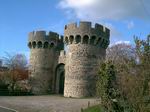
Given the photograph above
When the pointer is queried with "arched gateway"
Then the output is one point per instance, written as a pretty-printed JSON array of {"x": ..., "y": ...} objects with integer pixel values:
[{"x": 59, "y": 78}]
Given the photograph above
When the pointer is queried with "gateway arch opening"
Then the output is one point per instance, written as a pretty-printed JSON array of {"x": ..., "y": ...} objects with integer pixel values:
[{"x": 59, "y": 79}]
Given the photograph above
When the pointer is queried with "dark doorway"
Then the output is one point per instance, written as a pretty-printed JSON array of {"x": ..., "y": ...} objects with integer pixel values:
[
  {"x": 61, "y": 83},
  {"x": 59, "y": 78}
]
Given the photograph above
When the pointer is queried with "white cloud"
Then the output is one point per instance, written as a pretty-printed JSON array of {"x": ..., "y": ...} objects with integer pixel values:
[
  {"x": 76, "y": 3},
  {"x": 121, "y": 41},
  {"x": 107, "y": 9},
  {"x": 124, "y": 11},
  {"x": 130, "y": 24}
]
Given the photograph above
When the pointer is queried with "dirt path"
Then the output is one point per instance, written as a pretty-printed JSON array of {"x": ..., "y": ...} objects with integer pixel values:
[{"x": 45, "y": 103}]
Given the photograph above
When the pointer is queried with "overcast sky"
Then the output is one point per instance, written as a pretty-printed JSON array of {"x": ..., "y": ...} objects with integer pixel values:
[{"x": 125, "y": 18}]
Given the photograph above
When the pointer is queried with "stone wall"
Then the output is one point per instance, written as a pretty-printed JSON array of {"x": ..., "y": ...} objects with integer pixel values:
[
  {"x": 81, "y": 70},
  {"x": 44, "y": 54},
  {"x": 41, "y": 70},
  {"x": 86, "y": 46}
]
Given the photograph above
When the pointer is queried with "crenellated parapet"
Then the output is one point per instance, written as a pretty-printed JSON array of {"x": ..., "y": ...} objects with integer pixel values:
[
  {"x": 42, "y": 39},
  {"x": 84, "y": 33}
]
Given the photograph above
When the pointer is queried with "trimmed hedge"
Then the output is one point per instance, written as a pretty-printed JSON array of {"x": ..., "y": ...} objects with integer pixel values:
[{"x": 5, "y": 92}]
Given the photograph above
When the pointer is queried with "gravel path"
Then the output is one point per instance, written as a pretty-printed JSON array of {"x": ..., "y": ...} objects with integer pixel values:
[{"x": 49, "y": 103}]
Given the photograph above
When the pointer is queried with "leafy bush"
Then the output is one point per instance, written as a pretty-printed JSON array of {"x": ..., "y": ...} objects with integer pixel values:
[{"x": 126, "y": 87}]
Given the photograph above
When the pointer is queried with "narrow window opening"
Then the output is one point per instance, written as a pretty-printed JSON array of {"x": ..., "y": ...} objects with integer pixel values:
[
  {"x": 85, "y": 39},
  {"x": 78, "y": 39}
]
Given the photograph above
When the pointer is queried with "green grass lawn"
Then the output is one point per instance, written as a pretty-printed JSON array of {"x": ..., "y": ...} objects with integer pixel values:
[{"x": 95, "y": 108}]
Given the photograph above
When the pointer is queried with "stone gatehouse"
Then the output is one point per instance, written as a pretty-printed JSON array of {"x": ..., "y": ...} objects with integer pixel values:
[{"x": 72, "y": 71}]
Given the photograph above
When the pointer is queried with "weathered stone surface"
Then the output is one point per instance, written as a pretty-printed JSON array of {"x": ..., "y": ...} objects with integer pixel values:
[
  {"x": 81, "y": 70},
  {"x": 43, "y": 60}
]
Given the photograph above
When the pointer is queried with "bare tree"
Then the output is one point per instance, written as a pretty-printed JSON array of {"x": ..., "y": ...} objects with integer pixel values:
[
  {"x": 13, "y": 61},
  {"x": 17, "y": 65},
  {"x": 121, "y": 52}
]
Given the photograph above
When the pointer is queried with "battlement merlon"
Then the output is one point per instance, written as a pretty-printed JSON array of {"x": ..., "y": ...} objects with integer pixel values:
[
  {"x": 62, "y": 53},
  {"x": 42, "y": 36},
  {"x": 87, "y": 27},
  {"x": 62, "y": 57}
]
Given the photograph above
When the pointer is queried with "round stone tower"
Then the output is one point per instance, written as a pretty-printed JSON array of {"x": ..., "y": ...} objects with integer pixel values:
[
  {"x": 43, "y": 59},
  {"x": 86, "y": 46}
]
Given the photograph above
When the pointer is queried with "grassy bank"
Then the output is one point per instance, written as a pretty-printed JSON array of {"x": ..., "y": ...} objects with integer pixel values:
[{"x": 95, "y": 108}]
